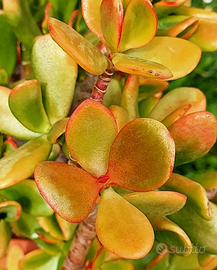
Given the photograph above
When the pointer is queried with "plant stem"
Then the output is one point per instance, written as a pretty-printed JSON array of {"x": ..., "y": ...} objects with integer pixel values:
[
  {"x": 85, "y": 234},
  {"x": 101, "y": 84}
]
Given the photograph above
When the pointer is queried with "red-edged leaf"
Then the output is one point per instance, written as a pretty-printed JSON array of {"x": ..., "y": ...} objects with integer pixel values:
[{"x": 70, "y": 191}]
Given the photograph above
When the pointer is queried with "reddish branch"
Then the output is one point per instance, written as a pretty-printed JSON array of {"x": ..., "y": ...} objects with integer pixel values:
[{"x": 85, "y": 234}]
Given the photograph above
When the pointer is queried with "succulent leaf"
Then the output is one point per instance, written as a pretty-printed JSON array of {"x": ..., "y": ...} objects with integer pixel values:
[
  {"x": 14, "y": 254},
  {"x": 132, "y": 243},
  {"x": 117, "y": 265},
  {"x": 90, "y": 132},
  {"x": 5, "y": 233},
  {"x": 82, "y": 51},
  {"x": 11, "y": 210},
  {"x": 175, "y": 56},
  {"x": 80, "y": 189},
  {"x": 120, "y": 115},
  {"x": 26, "y": 104},
  {"x": 142, "y": 155}
]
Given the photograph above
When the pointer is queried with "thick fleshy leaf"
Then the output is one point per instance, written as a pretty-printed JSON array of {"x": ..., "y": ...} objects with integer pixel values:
[
  {"x": 117, "y": 219},
  {"x": 142, "y": 155},
  {"x": 19, "y": 16},
  {"x": 117, "y": 265},
  {"x": 207, "y": 179},
  {"x": 39, "y": 260},
  {"x": 113, "y": 94},
  {"x": 190, "y": 261},
  {"x": 5, "y": 234},
  {"x": 129, "y": 97},
  {"x": 176, "y": 58},
  {"x": 177, "y": 98},
  {"x": 79, "y": 189},
  {"x": 57, "y": 130},
  {"x": 25, "y": 226},
  {"x": 120, "y": 115},
  {"x": 68, "y": 229},
  {"x": 14, "y": 254},
  {"x": 157, "y": 203},
  {"x": 46, "y": 237},
  {"x": 196, "y": 194},
  {"x": 52, "y": 67},
  {"x": 197, "y": 12},
  {"x": 170, "y": 233},
  {"x": 206, "y": 39},
  {"x": 8, "y": 46},
  {"x": 83, "y": 52},
  {"x": 194, "y": 135},
  {"x": 91, "y": 14},
  {"x": 90, "y": 132},
  {"x": 10, "y": 210},
  {"x": 200, "y": 231},
  {"x": 164, "y": 8},
  {"x": 51, "y": 226},
  {"x": 26, "y": 193},
  {"x": 26, "y": 104},
  {"x": 139, "y": 25},
  {"x": 146, "y": 105},
  {"x": 161, "y": 262},
  {"x": 135, "y": 65},
  {"x": 9, "y": 124},
  {"x": 20, "y": 164},
  {"x": 112, "y": 29}
]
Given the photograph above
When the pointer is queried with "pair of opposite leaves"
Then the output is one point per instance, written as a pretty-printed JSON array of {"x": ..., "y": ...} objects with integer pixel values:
[{"x": 140, "y": 158}]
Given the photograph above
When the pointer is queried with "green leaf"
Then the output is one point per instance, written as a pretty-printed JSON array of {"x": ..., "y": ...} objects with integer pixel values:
[
  {"x": 52, "y": 67},
  {"x": 194, "y": 135},
  {"x": 207, "y": 179},
  {"x": 83, "y": 52},
  {"x": 157, "y": 203},
  {"x": 10, "y": 210},
  {"x": 112, "y": 29},
  {"x": 120, "y": 115},
  {"x": 57, "y": 130},
  {"x": 20, "y": 164},
  {"x": 25, "y": 102},
  {"x": 90, "y": 132},
  {"x": 142, "y": 155},
  {"x": 146, "y": 105},
  {"x": 176, "y": 59},
  {"x": 139, "y": 25},
  {"x": 201, "y": 231},
  {"x": 26, "y": 193},
  {"x": 5, "y": 235},
  {"x": 39, "y": 260},
  {"x": 8, "y": 46},
  {"x": 172, "y": 235},
  {"x": 129, "y": 97},
  {"x": 177, "y": 98},
  {"x": 115, "y": 227},
  {"x": 135, "y": 65},
  {"x": 68, "y": 229},
  {"x": 196, "y": 194},
  {"x": 113, "y": 94},
  {"x": 11, "y": 125},
  {"x": 117, "y": 265},
  {"x": 19, "y": 16},
  {"x": 80, "y": 189}
]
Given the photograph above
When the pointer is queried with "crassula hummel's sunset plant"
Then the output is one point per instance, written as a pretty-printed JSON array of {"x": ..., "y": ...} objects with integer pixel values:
[{"x": 92, "y": 136}]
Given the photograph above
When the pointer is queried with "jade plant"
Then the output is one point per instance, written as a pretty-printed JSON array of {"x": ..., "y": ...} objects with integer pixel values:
[{"x": 91, "y": 136}]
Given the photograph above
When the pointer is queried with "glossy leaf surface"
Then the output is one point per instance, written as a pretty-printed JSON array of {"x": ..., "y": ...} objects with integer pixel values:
[
  {"x": 39, "y": 260},
  {"x": 26, "y": 193},
  {"x": 132, "y": 243},
  {"x": 171, "y": 234},
  {"x": 164, "y": 8},
  {"x": 79, "y": 189},
  {"x": 135, "y": 65},
  {"x": 177, "y": 98},
  {"x": 68, "y": 229},
  {"x": 20, "y": 164},
  {"x": 52, "y": 67},
  {"x": 139, "y": 25},
  {"x": 26, "y": 104},
  {"x": 91, "y": 14},
  {"x": 129, "y": 97},
  {"x": 207, "y": 179},
  {"x": 11, "y": 210},
  {"x": 9, "y": 124},
  {"x": 142, "y": 156},
  {"x": 57, "y": 130},
  {"x": 83, "y": 52},
  {"x": 111, "y": 29},
  {"x": 195, "y": 193},
  {"x": 175, "y": 56},
  {"x": 120, "y": 115},
  {"x": 199, "y": 230},
  {"x": 157, "y": 203},
  {"x": 194, "y": 135},
  {"x": 197, "y": 12},
  {"x": 89, "y": 135}
]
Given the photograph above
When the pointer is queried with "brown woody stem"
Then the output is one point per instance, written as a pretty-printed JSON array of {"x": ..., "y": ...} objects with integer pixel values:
[
  {"x": 101, "y": 84},
  {"x": 85, "y": 234}
]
